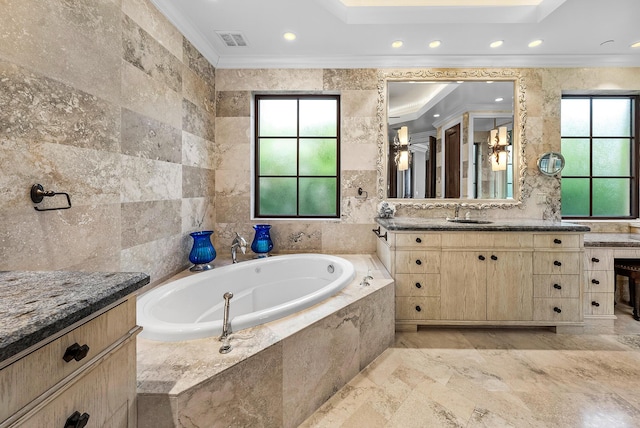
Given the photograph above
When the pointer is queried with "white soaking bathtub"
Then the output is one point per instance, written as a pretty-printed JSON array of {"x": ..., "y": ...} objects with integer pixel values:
[{"x": 263, "y": 290}]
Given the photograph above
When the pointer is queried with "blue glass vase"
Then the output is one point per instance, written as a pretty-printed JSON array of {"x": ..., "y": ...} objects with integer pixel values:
[
  {"x": 202, "y": 253},
  {"x": 262, "y": 243}
]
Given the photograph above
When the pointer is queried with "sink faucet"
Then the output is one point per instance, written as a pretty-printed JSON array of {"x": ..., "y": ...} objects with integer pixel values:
[
  {"x": 456, "y": 211},
  {"x": 238, "y": 242}
]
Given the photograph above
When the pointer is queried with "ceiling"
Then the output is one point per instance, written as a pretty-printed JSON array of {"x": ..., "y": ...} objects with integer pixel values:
[{"x": 359, "y": 33}]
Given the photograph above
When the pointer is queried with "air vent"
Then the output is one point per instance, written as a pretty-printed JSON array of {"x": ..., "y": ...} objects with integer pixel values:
[{"x": 232, "y": 38}]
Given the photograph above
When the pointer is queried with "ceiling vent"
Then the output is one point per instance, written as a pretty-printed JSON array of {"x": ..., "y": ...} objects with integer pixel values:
[{"x": 232, "y": 38}]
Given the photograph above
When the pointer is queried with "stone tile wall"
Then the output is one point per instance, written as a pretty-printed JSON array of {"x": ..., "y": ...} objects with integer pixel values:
[{"x": 107, "y": 101}]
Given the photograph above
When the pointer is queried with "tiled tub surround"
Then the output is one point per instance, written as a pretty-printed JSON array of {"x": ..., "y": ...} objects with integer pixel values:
[
  {"x": 277, "y": 374},
  {"x": 37, "y": 306}
]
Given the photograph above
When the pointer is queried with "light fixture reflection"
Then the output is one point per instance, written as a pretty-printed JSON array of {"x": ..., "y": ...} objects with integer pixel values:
[{"x": 289, "y": 36}]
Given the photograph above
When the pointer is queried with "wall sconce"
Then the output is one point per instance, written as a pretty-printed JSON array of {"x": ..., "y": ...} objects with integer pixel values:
[
  {"x": 498, "y": 142},
  {"x": 401, "y": 144}
]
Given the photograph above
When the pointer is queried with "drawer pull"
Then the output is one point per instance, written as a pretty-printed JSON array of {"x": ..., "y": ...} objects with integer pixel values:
[
  {"x": 557, "y": 286},
  {"x": 594, "y": 303},
  {"x": 480, "y": 257},
  {"x": 75, "y": 352},
  {"x": 418, "y": 285},
  {"x": 557, "y": 263},
  {"x": 418, "y": 262},
  {"x": 418, "y": 308},
  {"x": 557, "y": 309},
  {"x": 595, "y": 260},
  {"x": 418, "y": 240},
  {"x": 557, "y": 241},
  {"x": 494, "y": 257},
  {"x": 595, "y": 281},
  {"x": 77, "y": 420}
]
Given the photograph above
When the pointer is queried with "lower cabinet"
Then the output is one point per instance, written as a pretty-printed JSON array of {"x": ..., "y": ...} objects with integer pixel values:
[{"x": 485, "y": 278}]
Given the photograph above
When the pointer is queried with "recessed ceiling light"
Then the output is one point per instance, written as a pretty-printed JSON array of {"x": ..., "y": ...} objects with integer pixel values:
[
  {"x": 436, "y": 115},
  {"x": 435, "y": 44},
  {"x": 535, "y": 43},
  {"x": 499, "y": 99},
  {"x": 397, "y": 44},
  {"x": 636, "y": 44},
  {"x": 497, "y": 43},
  {"x": 289, "y": 36}
]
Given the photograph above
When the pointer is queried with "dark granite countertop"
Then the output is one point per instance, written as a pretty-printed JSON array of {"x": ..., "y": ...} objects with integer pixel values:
[
  {"x": 612, "y": 240},
  {"x": 431, "y": 224},
  {"x": 37, "y": 305}
]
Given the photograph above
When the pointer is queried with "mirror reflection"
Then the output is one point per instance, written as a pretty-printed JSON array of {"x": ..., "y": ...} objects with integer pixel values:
[{"x": 450, "y": 139}]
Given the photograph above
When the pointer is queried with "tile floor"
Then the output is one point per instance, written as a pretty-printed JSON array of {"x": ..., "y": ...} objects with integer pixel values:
[{"x": 441, "y": 377}]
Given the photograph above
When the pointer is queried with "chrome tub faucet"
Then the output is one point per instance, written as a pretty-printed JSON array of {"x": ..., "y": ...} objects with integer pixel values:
[{"x": 238, "y": 242}]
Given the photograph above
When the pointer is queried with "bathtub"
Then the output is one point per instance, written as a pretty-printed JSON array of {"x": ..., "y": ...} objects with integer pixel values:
[{"x": 263, "y": 290}]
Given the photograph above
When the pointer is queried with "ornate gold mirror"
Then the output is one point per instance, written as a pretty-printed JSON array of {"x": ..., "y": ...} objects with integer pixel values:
[{"x": 451, "y": 136}]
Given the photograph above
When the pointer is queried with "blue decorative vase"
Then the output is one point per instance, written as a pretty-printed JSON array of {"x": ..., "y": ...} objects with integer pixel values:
[
  {"x": 262, "y": 243},
  {"x": 202, "y": 253}
]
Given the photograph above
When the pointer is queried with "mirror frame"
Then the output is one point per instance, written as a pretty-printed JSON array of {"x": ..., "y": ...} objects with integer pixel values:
[{"x": 519, "y": 118}]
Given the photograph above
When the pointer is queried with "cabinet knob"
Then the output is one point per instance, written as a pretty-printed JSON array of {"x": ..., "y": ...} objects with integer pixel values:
[
  {"x": 595, "y": 260},
  {"x": 418, "y": 240},
  {"x": 481, "y": 257},
  {"x": 494, "y": 257},
  {"x": 557, "y": 309},
  {"x": 418, "y": 285},
  {"x": 418, "y": 262},
  {"x": 75, "y": 352},
  {"x": 557, "y": 286},
  {"x": 77, "y": 420},
  {"x": 595, "y": 281},
  {"x": 557, "y": 241},
  {"x": 418, "y": 308},
  {"x": 557, "y": 263},
  {"x": 594, "y": 303}
]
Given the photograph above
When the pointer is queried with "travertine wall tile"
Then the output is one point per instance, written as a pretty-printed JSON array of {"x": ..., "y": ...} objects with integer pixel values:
[
  {"x": 159, "y": 258},
  {"x": 148, "y": 180},
  {"x": 148, "y": 17},
  {"x": 198, "y": 63},
  {"x": 348, "y": 238},
  {"x": 350, "y": 79},
  {"x": 198, "y": 214},
  {"x": 148, "y": 138},
  {"x": 359, "y": 103},
  {"x": 147, "y": 221},
  {"x": 198, "y": 91},
  {"x": 269, "y": 80},
  {"x": 149, "y": 56},
  {"x": 75, "y": 42},
  {"x": 197, "y": 182},
  {"x": 197, "y": 121},
  {"x": 197, "y": 151},
  {"x": 233, "y": 104}
]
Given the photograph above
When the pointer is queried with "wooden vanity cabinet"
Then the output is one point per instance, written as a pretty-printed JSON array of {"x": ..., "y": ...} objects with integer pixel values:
[
  {"x": 43, "y": 389},
  {"x": 484, "y": 278}
]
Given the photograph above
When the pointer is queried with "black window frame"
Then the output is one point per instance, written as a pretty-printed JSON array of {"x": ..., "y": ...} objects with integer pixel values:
[
  {"x": 256, "y": 145},
  {"x": 634, "y": 188}
]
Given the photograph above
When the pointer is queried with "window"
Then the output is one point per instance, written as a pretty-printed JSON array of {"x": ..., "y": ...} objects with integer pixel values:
[
  {"x": 297, "y": 160},
  {"x": 599, "y": 143}
]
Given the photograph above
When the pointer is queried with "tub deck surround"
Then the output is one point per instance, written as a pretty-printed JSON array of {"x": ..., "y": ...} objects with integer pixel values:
[
  {"x": 277, "y": 373},
  {"x": 38, "y": 306},
  {"x": 612, "y": 240},
  {"x": 499, "y": 225}
]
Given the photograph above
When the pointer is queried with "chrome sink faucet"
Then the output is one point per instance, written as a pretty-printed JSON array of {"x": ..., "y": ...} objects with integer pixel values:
[{"x": 238, "y": 242}]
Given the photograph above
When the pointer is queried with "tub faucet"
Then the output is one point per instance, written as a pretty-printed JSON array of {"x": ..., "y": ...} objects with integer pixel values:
[
  {"x": 238, "y": 242},
  {"x": 226, "y": 325},
  {"x": 365, "y": 281}
]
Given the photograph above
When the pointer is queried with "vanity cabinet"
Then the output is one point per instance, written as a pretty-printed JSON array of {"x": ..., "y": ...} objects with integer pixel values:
[
  {"x": 599, "y": 282},
  {"x": 84, "y": 374},
  {"x": 484, "y": 277}
]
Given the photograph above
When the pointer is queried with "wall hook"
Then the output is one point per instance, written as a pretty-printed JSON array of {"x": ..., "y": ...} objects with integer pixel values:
[
  {"x": 362, "y": 194},
  {"x": 38, "y": 194}
]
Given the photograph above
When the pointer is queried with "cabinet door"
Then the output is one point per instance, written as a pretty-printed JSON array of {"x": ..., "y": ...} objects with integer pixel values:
[
  {"x": 510, "y": 286},
  {"x": 463, "y": 285}
]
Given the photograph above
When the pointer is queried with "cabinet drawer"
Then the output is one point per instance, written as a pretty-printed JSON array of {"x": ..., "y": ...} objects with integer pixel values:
[
  {"x": 105, "y": 393},
  {"x": 487, "y": 240},
  {"x": 598, "y": 259},
  {"x": 598, "y": 303},
  {"x": 417, "y": 308},
  {"x": 550, "y": 309},
  {"x": 599, "y": 281},
  {"x": 418, "y": 240},
  {"x": 556, "y": 240},
  {"x": 556, "y": 262},
  {"x": 43, "y": 368},
  {"x": 556, "y": 286},
  {"x": 427, "y": 284},
  {"x": 418, "y": 262}
]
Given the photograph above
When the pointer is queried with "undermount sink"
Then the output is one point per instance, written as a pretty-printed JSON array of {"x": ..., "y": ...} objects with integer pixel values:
[{"x": 468, "y": 220}]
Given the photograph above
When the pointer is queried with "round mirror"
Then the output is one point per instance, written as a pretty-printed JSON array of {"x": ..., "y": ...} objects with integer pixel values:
[{"x": 551, "y": 163}]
